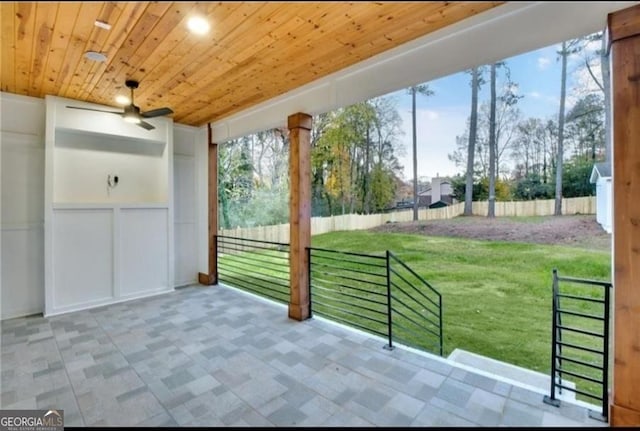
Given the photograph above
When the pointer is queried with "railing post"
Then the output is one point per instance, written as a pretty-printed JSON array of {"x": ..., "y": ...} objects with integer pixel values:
[
  {"x": 440, "y": 322},
  {"x": 310, "y": 281},
  {"x": 558, "y": 331},
  {"x": 215, "y": 263},
  {"x": 389, "y": 318},
  {"x": 551, "y": 399},
  {"x": 605, "y": 357}
]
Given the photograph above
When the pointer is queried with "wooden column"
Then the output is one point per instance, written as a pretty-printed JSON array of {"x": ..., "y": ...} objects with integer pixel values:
[
  {"x": 624, "y": 34},
  {"x": 299, "y": 213},
  {"x": 212, "y": 277}
]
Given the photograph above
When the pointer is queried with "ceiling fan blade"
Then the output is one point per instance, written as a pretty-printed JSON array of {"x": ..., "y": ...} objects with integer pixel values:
[
  {"x": 146, "y": 125},
  {"x": 156, "y": 112},
  {"x": 96, "y": 110}
]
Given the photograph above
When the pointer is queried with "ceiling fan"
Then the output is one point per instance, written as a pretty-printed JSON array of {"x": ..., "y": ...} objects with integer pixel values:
[{"x": 132, "y": 113}]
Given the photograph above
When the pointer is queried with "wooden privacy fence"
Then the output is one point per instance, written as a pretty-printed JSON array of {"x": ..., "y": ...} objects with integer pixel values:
[{"x": 320, "y": 225}]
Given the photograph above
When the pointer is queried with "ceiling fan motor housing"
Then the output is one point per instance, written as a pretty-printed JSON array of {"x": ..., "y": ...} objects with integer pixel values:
[
  {"x": 132, "y": 110},
  {"x": 131, "y": 83}
]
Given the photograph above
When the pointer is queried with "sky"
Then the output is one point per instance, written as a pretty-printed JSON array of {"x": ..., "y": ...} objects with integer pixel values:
[{"x": 442, "y": 116}]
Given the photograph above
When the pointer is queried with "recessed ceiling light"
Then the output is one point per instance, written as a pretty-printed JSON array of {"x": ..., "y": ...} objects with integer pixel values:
[
  {"x": 198, "y": 25},
  {"x": 122, "y": 100},
  {"x": 95, "y": 56}
]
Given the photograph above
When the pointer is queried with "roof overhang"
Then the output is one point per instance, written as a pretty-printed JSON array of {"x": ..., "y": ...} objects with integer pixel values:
[{"x": 504, "y": 31}]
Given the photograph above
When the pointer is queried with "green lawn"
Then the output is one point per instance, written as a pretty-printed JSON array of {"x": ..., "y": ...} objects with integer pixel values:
[{"x": 496, "y": 295}]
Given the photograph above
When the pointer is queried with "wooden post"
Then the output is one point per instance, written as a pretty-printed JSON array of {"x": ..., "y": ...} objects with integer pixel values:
[
  {"x": 212, "y": 277},
  {"x": 624, "y": 36},
  {"x": 299, "y": 213}
]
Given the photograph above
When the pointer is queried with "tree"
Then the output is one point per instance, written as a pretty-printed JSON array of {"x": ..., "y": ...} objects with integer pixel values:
[
  {"x": 606, "y": 89},
  {"x": 603, "y": 82},
  {"x": 533, "y": 145},
  {"x": 234, "y": 177},
  {"x": 585, "y": 130},
  {"x": 459, "y": 184},
  {"x": 568, "y": 48},
  {"x": 320, "y": 200},
  {"x": 354, "y": 162},
  {"x": 476, "y": 81},
  {"x": 386, "y": 130},
  {"x": 576, "y": 178},
  {"x": 531, "y": 187},
  {"x": 492, "y": 145},
  {"x": 425, "y": 91}
]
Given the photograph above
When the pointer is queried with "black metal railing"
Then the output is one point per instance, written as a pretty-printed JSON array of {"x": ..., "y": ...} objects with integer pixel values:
[
  {"x": 416, "y": 308},
  {"x": 259, "y": 267},
  {"x": 350, "y": 288},
  {"x": 580, "y": 340},
  {"x": 377, "y": 294}
]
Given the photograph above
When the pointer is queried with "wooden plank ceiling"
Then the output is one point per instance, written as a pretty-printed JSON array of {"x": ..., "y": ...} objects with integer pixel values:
[{"x": 253, "y": 52}]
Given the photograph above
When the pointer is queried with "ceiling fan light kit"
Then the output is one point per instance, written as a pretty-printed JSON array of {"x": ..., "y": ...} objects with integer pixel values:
[
  {"x": 121, "y": 99},
  {"x": 132, "y": 113},
  {"x": 131, "y": 118}
]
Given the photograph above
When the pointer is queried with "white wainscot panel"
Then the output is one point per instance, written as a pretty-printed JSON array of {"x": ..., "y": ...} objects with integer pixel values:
[
  {"x": 22, "y": 275},
  {"x": 184, "y": 186},
  {"x": 185, "y": 241},
  {"x": 186, "y": 258},
  {"x": 22, "y": 179},
  {"x": 82, "y": 257},
  {"x": 144, "y": 251}
]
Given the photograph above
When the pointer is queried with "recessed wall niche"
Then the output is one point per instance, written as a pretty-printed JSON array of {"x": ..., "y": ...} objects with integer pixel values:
[
  {"x": 108, "y": 207},
  {"x": 85, "y": 165}
]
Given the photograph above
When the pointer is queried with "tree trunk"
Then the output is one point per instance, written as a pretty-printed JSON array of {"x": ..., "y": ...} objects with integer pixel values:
[
  {"x": 606, "y": 84},
  {"x": 560, "y": 154},
  {"x": 473, "y": 126},
  {"x": 224, "y": 207},
  {"x": 367, "y": 183},
  {"x": 544, "y": 164},
  {"x": 492, "y": 146},
  {"x": 415, "y": 155}
]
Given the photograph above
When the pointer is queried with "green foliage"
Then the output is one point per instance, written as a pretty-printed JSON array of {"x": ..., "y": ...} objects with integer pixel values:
[
  {"x": 383, "y": 188},
  {"x": 575, "y": 178},
  {"x": 266, "y": 207},
  {"x": 234, "y": 178},
  {"x": 531, "y": 187},
  {"x": 481, "y": 189},
  {"x": 252, "y": 189}
]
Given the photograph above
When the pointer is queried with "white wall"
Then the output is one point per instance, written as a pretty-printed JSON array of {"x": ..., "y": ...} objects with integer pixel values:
[
  {"x": 604, "y": 203},
  {"x": 22, "y": 203}
]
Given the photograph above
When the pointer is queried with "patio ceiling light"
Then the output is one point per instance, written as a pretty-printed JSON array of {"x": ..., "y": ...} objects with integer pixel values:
[{"x": 198, "y": 25}]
